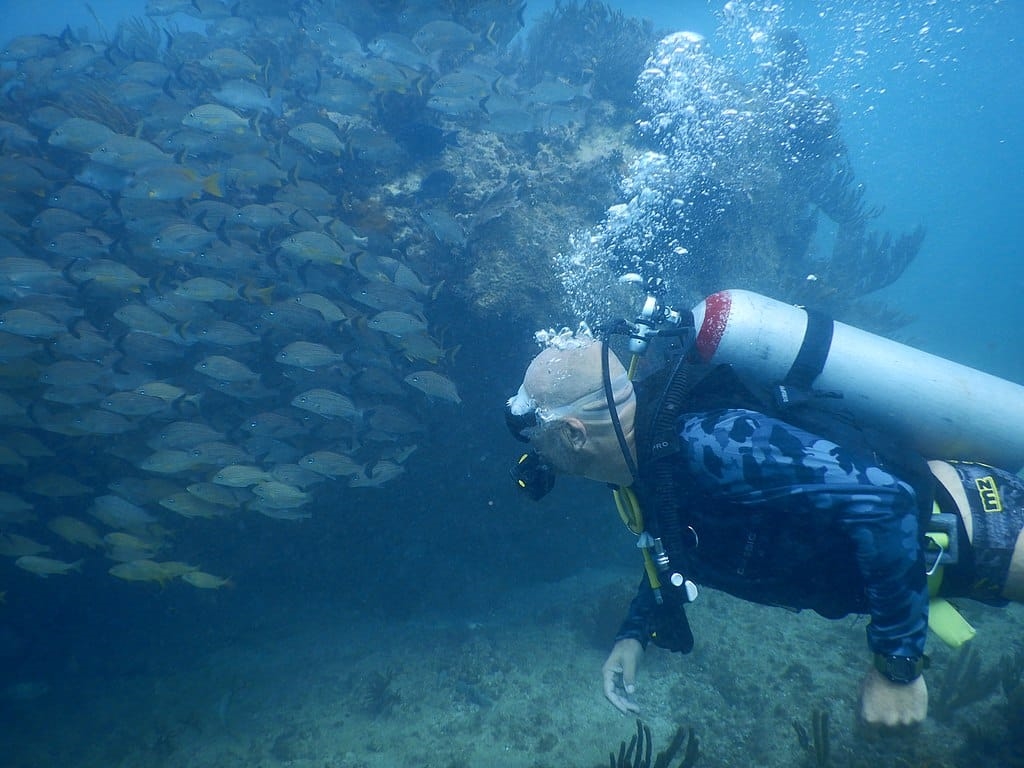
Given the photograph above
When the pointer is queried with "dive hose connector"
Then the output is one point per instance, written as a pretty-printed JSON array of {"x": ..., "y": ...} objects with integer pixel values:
[
  {"x": 653, "y": 314},
  {"x": 660, "y": 557},
  {"x": 661, "y": 562}
]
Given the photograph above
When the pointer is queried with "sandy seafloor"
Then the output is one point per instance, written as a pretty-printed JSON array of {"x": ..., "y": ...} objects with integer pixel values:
[{"x": 519, "y": 686}]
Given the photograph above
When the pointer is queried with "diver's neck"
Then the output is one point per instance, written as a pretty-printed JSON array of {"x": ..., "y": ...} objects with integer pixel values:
[{"x": 614, "y": 470}]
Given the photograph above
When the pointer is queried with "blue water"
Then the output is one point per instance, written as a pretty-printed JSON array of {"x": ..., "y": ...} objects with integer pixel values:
[{"x": 933, "y": 115}]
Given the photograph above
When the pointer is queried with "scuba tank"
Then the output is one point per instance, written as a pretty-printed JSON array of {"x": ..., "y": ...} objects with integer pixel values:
[{"x": 937, "y": 407}]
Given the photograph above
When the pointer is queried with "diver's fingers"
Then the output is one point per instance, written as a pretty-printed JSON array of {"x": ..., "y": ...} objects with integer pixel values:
[
  {"x": 624, "y": 705},
  {"x": 629, "y": 666}
]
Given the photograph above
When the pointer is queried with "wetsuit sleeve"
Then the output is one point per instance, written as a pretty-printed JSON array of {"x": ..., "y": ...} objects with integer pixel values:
[
  {"x": 637, "y": 624},
  {"x": 884, "y": 532},
  {"x": 765, "y": 467}
]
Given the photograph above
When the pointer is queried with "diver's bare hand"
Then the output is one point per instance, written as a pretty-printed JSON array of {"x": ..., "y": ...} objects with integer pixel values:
[
  {"x": 619, "y": 673},
  {"x": 886, "y": 704}
]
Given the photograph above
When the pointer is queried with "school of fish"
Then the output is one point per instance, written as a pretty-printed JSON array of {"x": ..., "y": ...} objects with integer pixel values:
[{"x": 217, "y": 273}]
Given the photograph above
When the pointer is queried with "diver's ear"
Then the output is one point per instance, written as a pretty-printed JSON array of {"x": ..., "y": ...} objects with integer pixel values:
[{"x": 575, "y": 432}]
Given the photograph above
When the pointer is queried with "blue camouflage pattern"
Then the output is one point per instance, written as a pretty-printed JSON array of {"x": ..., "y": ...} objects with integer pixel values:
[{"x": 784, "y": 517}]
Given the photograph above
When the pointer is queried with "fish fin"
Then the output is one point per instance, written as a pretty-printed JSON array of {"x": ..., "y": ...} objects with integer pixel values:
[
  {"x": 213, "y": 184},
  {"x": 263, "y": 295},
  {"x": 272, "y": 259},
  {"x": 277, "y": 103},
  {"x": 222, "y": 233},
  {"x": 452, "y": 352}
]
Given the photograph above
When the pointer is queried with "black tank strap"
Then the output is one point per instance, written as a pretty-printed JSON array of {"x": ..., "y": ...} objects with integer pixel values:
[{"x": 810, "y": 359}]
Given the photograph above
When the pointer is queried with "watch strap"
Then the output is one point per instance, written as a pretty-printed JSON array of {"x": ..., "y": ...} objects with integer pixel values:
[{"x": 899, "y": 669}]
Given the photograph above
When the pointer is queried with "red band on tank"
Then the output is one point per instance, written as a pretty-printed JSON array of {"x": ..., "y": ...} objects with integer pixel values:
[{"x": 716, "y": 314}]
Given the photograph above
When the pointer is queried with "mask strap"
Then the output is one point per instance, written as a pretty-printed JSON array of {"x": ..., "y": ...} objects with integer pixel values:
[{"x": 609, "y": 397}]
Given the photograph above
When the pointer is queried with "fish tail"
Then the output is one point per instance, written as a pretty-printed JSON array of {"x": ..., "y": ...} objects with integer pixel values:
[
  {"x": 214, "y": 184},
  {"x": 436, "y": 290}
]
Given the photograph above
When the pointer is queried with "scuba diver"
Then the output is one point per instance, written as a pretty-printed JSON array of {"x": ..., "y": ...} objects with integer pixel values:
[{"x": 727, "y": 488}]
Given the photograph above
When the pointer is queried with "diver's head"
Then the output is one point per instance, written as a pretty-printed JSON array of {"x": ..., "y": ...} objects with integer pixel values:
[{"x": 562, "y": 410}]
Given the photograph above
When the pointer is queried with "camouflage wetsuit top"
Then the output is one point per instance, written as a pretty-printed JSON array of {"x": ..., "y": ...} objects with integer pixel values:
[{"x": 784, "y": 517}]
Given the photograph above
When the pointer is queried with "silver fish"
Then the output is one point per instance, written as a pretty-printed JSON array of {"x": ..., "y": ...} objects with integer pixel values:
[
  {"x": 434, "y": 385},
  {"x": 397, "y": 323},
  {"x": 308, "y": 354},
  {"x": 215, "y": 118},
  {"x": 45, "y": 566},
  {"x": 224, "y": 368},
  {"x": 327, "y": 403},
  {"x": 245, "y": 94}
]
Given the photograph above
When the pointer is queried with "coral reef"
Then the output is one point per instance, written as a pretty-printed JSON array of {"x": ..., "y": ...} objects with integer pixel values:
[
  {"x": 816, "y": 741},
  {"x": 377, "y": 696},
  {"x": 639, "y": 752},
  {"x": 589, "y": 44},
  {"x": 964, "y": 682},
  {"x": 999, "y": 738}
]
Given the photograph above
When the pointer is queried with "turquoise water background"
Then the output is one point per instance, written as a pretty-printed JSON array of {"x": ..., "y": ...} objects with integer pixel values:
[{"x": 933, "y": 114}]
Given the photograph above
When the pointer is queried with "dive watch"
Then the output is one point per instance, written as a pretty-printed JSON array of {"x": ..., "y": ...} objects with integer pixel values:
[{"x": 899, "y": 669}]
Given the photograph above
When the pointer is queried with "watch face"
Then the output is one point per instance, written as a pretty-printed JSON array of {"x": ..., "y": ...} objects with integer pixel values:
[{"x": 899, "y": 669}]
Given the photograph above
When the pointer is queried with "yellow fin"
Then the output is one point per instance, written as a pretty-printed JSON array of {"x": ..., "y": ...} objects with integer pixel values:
[{"x": 213, "y": 184}]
